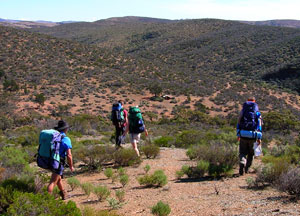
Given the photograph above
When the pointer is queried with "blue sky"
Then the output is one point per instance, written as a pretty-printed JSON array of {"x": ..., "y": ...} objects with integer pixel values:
[{"x": 92, "y": 10}]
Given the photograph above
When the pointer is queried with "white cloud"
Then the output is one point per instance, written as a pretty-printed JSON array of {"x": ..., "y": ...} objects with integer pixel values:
[{"x": 238, "y": 9}]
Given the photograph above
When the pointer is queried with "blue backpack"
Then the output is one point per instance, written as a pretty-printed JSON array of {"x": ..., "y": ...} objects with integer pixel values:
[
  {"x": 48, "y": 152},
  {"x": 117, "y": 114},
  {"x": 249, "y": 119}
]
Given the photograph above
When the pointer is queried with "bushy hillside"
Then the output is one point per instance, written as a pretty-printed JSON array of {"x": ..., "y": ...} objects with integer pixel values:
[
  {"x": 219, "y": 62},
  {"x": 196, "y": 49}
]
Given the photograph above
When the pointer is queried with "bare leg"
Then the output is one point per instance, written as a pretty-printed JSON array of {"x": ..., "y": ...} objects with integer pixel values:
[
  {"x": 55, "y": 180},
  {"x": 134, "y": 146}
]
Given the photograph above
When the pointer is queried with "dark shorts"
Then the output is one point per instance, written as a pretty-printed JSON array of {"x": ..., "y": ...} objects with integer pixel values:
[{"x": 59, "y": 171}]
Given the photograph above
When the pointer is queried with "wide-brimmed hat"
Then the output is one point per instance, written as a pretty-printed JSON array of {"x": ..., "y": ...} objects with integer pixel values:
[{"x": 61, "y": 125}]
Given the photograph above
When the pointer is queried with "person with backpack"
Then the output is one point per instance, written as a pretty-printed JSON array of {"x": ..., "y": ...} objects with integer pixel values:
[
  {"x": 249, "y": 132},
  {"x": 64, "y": 151},
  {"x": 135, "y": 127},
  {"x": 119, "y": 118}
]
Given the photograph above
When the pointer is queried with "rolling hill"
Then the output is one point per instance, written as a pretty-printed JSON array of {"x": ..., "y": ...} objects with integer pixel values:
[{"x": 218, "y": 62}]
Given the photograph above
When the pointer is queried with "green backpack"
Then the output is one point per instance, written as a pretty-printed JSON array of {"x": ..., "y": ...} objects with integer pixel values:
[{"x": 136, "y": 123}]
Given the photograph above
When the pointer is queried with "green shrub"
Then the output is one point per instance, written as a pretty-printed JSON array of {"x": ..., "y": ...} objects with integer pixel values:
[
  {"x": 89, "y": 211},
  {"x": 191, "y": 153},
  {"x": 187, "y": 138},
  {"x": 73, "y": 182},
  {"x": 124, "y": 179},
  {"x": 161, "y": 209},
  {"x": 126, "y": 157},
  {"x": 41, "y": 204},
  {"x": 179, "y": 174},
  {"x": 272, "y": 169},
  {"x": 7, "y": 195},
  {"x": 87, "y": 188},
  {"x": 164, "y": 141},
  {"x": 200, "y": 170},
  {"x": 108, "y": 172},
  {"x": 120, "y": 194},
  {"x": 151, "y": 151},
  {"x": 121, "y": 171},
  {"x": 293, "y": 153},
  {"x": 94, "y": 156},
  {"x": 114, "y": 204},
  {"x": 15, "y": 161},
  {"x": 102, "y": 192},
  {"x": 147, "y": 168},
  {"x": 222, "y": 158},
  {"x": 157, "y": 179}
]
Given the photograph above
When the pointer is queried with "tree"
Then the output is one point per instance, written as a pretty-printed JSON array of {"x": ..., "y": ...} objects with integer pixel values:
[
  {"x": 155, "y": 89},
  {"x": 40, "y": 99}
]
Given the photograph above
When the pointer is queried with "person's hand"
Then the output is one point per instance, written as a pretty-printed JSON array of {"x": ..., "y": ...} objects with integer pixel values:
[
  {"x": 146, "y": 132},
  {"x": 258, "y": 141},
  {"x": 238, "y": 138},
  {"x": 71, "y": 168}
]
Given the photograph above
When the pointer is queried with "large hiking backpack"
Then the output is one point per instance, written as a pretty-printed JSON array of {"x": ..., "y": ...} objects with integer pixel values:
[
  {"x": 117, "y": 114},
  {"x": 249, "y": 119},
  {"x": 48, "y": 152},
  {"x": 136, "y": 123}
]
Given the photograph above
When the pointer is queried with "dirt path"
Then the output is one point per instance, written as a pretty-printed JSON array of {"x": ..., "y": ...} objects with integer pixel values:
[{"x": 223, "y": 197}]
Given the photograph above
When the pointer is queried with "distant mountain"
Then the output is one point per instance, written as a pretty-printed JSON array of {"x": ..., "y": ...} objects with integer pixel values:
[
  {"x": 31, "y": 24},
  {"x": 27, "y": 24},
  {"x": 280, "y": 23}
]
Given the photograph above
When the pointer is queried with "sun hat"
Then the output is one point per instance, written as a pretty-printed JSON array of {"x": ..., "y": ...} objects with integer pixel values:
[{"x": 61, "y": 125}]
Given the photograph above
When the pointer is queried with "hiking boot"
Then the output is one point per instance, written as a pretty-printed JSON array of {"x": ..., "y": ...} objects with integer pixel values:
[
  {"x": 246, "y": 169},
  {"x": 63, "y": 195}
]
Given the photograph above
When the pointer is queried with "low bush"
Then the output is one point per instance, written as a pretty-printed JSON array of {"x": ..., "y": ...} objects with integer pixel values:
[
  {"x": 293, "y": 153},
  {"x": 272, "y": 169},
  {"x": 157, "y": 179},
  {"x": 108, "y": 172},
  {"x": 161, "y": 209},
  {"x": 147, "y": 168},
  {"x": 121, "y": 171},
  {"x": 164, "y": 141},
  {"x": 114, "y": 204},
  {"x": 120, "y": 194},
  {"x": 198, "y": 171},
  {"x": 126, "y": 157},
  {"x": 124, "y": 179},
  {"x": 150, "y": 151},
  {"x": 94, "y": 156},
  {"x": 88, "y": 211},
  {"x": 73, "y": 182},
  {"x": 102, "y": 192},
  {"x": 222, "y": 158},
  {"x": 15, "y": 161},
  {"x": 87, "y": 188},
  {"x": 290, "y": 181},
  {"x": 41, "y": 204}
]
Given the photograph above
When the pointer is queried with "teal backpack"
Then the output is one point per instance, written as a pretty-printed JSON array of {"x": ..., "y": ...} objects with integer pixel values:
[
  {"x": 48, "y": 152},
  {"x": 136, "y": 123}
]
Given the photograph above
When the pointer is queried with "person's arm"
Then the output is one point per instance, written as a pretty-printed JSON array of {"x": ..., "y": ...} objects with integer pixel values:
[
  {"x": 70, "y": 159},
  {"x": 126, "y": 130}
]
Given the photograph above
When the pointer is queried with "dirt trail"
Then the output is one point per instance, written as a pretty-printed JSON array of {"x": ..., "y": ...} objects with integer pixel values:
[{"x": 222, "y": 197}]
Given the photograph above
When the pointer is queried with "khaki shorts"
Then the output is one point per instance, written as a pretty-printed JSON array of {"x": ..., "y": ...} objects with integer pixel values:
[{"x": 135, "y": 137}]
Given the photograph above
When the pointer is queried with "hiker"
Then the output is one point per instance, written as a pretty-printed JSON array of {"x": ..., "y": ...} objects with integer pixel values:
[
  {"x": 119, "y": 118},
  {"x": 249, "y": 131},
  {"x": 135, "y": 127},
  {"x": 64, "y": 151}
]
